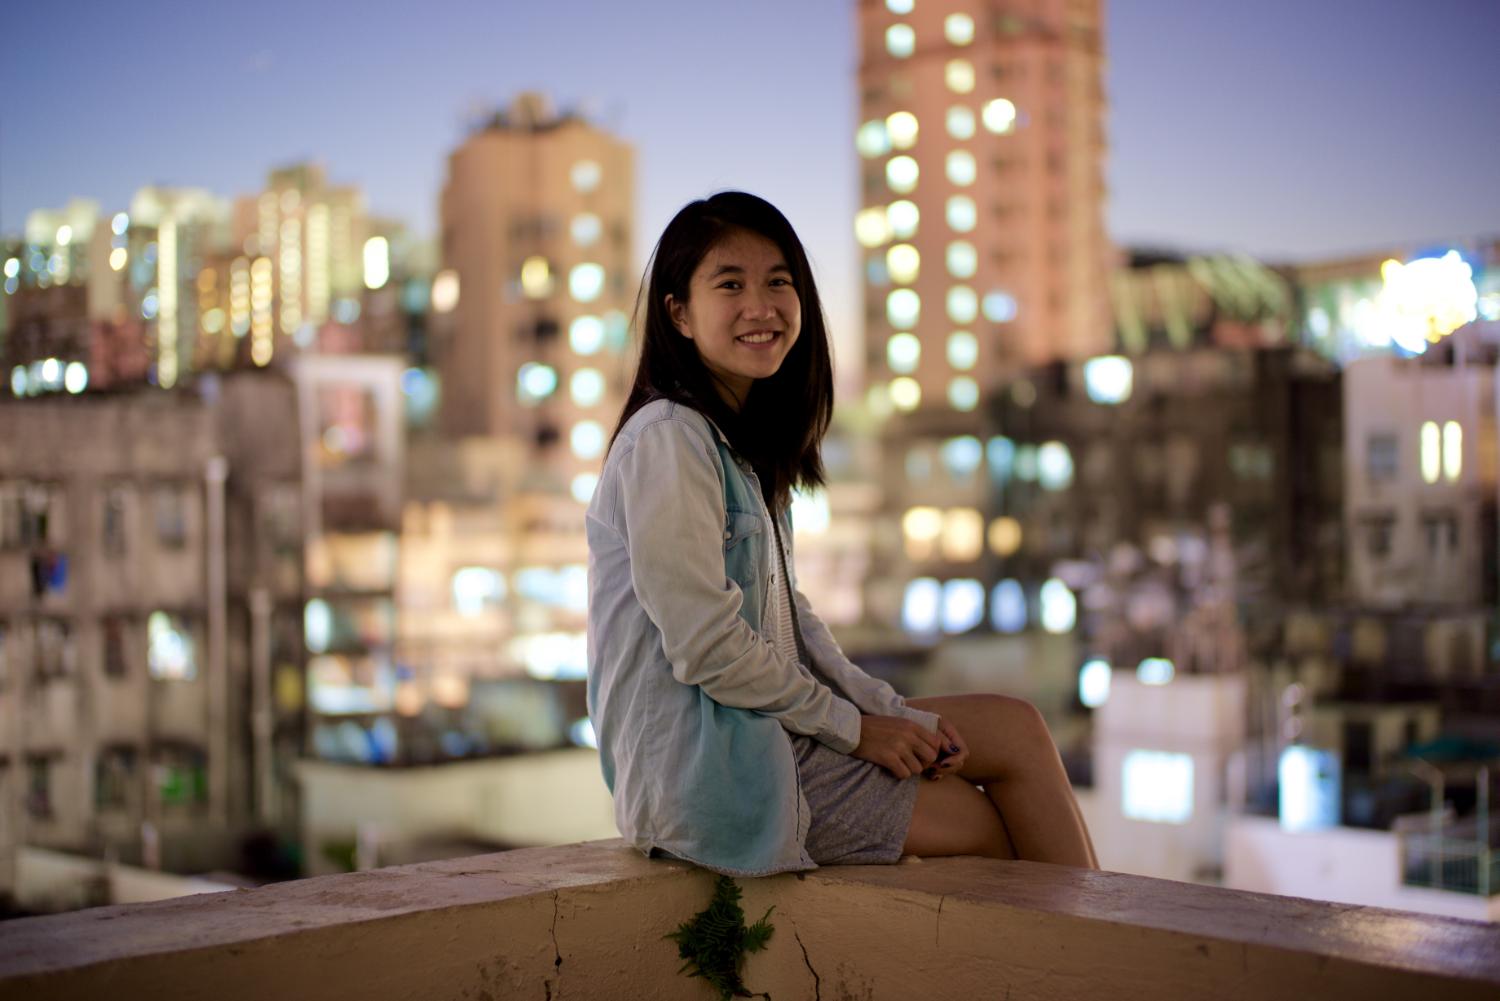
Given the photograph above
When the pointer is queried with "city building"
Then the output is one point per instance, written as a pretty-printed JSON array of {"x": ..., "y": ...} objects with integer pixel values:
[
  {"x": 150, "y": 622},
  {"x": 536, "y": 217}
]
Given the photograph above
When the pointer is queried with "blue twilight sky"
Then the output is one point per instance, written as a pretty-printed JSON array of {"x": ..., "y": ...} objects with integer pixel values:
[{"x": 1286, "y": 128}]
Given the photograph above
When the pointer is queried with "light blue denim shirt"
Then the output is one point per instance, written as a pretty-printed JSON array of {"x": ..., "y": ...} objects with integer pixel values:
[{"x": 691, "y": 704}]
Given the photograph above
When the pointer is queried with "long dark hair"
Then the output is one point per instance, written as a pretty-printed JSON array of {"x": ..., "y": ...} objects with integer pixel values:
[{"x": 780, "y": 427}]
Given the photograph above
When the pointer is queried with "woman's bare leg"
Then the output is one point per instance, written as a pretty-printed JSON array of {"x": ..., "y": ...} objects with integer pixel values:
[
  {"x": 1012, "y": 757},
  {"x": 954, "y": 817}
]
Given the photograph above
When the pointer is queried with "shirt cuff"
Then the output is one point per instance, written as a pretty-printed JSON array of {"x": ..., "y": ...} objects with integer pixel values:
[
  {"x": 843, "y": 730},
  {"x": 922, "y": 717}
]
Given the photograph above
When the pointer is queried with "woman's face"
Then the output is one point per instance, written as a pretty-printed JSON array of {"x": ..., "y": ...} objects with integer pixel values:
[{"x": 742, "y": 312}]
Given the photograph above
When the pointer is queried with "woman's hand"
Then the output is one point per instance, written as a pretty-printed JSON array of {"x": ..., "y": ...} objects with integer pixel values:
[
  {"x": 898, "y": 745},
  {"x": 958, "y": 750}
]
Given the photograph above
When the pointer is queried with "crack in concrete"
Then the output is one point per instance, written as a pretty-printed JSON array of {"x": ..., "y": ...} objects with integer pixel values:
[
  {"x": 817, "y": 981},
  {"x": 938, "y": 942},
  {"x": 556, "y": 951}
]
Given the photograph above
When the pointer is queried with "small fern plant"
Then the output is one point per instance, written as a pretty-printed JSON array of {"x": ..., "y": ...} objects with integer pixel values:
[{"x": 715, "y": 942}]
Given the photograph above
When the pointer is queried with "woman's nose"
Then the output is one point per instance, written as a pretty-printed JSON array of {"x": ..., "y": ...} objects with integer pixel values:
[{"x": 759, "y": 306}]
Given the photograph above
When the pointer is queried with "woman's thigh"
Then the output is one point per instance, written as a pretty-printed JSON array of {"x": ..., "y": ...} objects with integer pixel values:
[
  {"x": 1006, "y": 736},
  {"x": 953, "y": 817}
]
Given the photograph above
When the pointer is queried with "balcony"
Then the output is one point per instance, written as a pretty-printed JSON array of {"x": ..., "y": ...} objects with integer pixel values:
[{"x": 587, "y": 920}]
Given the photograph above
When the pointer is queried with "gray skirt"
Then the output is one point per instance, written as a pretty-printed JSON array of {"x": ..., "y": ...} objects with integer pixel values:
[{"x": 860, "y": 811}]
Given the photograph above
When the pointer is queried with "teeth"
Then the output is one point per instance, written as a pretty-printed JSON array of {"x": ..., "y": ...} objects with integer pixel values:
[{"x": 758, "y": 338}]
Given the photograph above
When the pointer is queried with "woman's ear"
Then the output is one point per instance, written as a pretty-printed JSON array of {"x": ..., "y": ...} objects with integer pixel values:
[{"x": 678, "y": 312}]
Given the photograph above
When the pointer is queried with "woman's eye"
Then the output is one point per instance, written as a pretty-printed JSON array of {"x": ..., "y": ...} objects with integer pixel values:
[{"x": 731, "y": 285}]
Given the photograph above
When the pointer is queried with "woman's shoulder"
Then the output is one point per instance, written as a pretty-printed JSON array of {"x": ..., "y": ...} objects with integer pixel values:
[{"x": 669, "y": 415}]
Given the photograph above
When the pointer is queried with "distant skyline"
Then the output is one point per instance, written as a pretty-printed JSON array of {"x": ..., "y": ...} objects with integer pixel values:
[{"x": 1289, "y": 129}]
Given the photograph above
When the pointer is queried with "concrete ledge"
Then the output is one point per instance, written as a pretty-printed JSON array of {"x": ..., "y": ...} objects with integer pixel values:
[{"x": 587, "y": 921}]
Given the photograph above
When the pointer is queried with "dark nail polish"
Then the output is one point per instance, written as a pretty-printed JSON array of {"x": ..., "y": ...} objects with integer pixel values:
[{"x": 953, "y": 748}]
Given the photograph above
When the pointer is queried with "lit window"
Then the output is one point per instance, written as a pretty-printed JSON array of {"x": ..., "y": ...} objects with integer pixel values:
[
  {"x": 536, "y": 278},
  {"x": 963, "y": 537},
  {"x": 963, "y": 393},
  {"x": 963, "y": 350},
  {"x": 1155, "y": 671},
  {"x": 169, "y": 648},
  {"x": 902, "y": 218},
  {"x": 961, "y": 168},
  {"x": 962, "y": 456},
  {"x": 901, "y": 174},
  {"x": 920, "y": 528},
  {"x": 906, "y": 394},
  {"x": 1108, "y": 378},
  {"x": 119, "y": 223},
  {"x": 1005, "y": 536},
  {"x": 585, "y": 176},
  {"x": 961, "y": 213},
  {"x": 902, "y": 128},
  {"x": 960, "y": 122},
  {"x": 871, "y": 139},
  {"x": 1453, "y": 449},
  {"x": 377, "y": 258},
  {"x": 999, "y": 307},
  {"x": 583, "y": 487},
  {"x": 898, "y": 6},
  {"x": 963, "y": 605},
  {"x": 1054, "y": 466},
  {"x": 317, "y": 625},
  {"x": 587, "y": 439},
  {"x": 902, "y": 263},
  {"x": 585, "y": 228},
  {"x": 1432, "y": 454},
  {"x": 963, "y": 259},
  {"x": 902, "y": 352},
  {"x": 1008, "y": 607},
  {"x": 872, "y": 227},
  {"x": 586, "y": 334},
  {"x": 1093, "y": 683},
  {"x": 958, "y": 29},
  {"x": 921, "y": 604},
  {"x": 958, "y": 74},
  {"x": 1158, "y": 786},
  {"x": 999, "y": 115},
  {"x": 535, "y": 381},
  {"x": 1307, "y": 781},
  {"x": 963, "y": 304},
  {"x": 477, "y": 590},
  {"x": 117, "y": 259},
  {"x": 900, "y": 40},
  {"x": 1059, "y": 607},
  {"x": 810, "y": 513},
  {"x": 445, "y": 291},
  {"x": 586, "y": 387},
  {"x": 902, "y": 308},
  {"x": 585, "y": 282},
  {"x": 1001, "y": 453},
  {"x": 76, "y": 378}
]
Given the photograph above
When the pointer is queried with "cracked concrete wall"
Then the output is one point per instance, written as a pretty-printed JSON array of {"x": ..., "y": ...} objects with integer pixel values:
[{"x": 587, "y": 921}]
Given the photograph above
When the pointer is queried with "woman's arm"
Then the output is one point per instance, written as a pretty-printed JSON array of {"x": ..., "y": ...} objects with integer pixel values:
[
  {"x": 672, "y": 505},
  {"x": 873, "y": 696}
]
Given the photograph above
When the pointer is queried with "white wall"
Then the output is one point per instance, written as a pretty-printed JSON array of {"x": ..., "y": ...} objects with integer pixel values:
[
  {"x": 55, "y": 881},
  {"x": 549, "y": 798},
  {"x": 1341, "y": 864}
]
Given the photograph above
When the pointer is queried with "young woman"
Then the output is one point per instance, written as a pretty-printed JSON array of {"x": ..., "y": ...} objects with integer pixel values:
[{"x": 732, "y": 730}]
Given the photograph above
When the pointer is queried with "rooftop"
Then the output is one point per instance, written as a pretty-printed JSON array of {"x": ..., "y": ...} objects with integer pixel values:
[{"x": 588, "y": 920}]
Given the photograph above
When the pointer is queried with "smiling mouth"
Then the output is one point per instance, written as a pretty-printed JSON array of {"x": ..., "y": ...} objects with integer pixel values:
[{"x": 759, "y": 337}]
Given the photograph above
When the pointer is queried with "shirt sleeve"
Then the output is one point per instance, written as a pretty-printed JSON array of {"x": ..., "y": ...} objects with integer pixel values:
[
  {"x": 672, "y": 505},
  {"x": 871, "y": 695}
]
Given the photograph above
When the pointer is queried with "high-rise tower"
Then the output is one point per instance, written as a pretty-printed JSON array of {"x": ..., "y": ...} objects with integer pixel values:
[
  {"x": 981, "y": 143},
  {"x": 536, "y": 219}
]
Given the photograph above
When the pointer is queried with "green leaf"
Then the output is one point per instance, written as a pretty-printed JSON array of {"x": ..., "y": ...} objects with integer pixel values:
[{"x": 715, "y": 941}]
